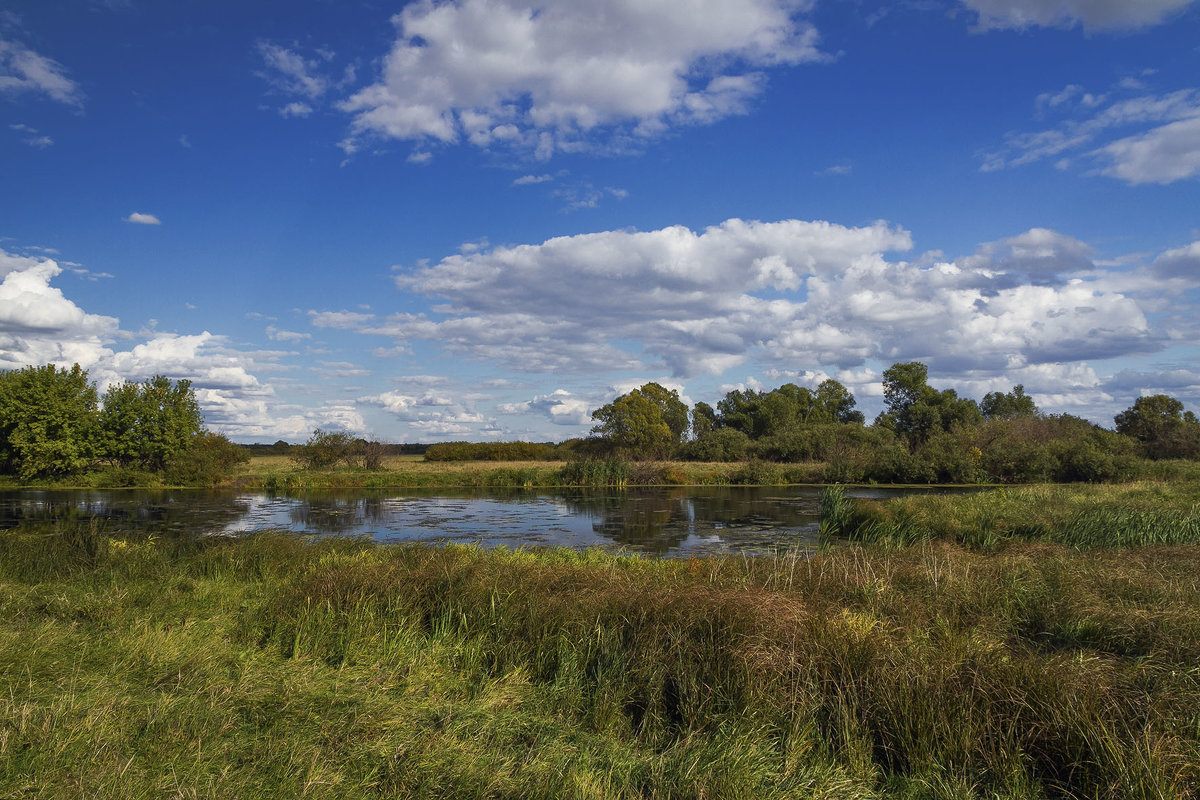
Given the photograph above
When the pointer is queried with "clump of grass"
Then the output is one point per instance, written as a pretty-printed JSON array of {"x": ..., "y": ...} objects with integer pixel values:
[
  {"x": 343, "y": 669},
  {"x": 596, "y": 472},
  {"x": 1080, "y": 516}
]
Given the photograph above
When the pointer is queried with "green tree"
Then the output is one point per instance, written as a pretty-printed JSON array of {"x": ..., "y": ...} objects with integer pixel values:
[
  {"x": 1002, "y": 405},
  {"x": 48, "y": 422},
  {"x": 837, "y": 402},
  {"x": 1159, "y": 422},
  {"x": 739, "y": 410},
  {"x": 915, "y": 410},
  {"x": 674, "y": 411},
  {"x": 704, "y": 419},
  {"x": 635, "y": 423},
  {"x": 148, "y": 424}
]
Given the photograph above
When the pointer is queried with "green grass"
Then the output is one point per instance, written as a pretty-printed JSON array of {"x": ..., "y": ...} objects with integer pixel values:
[
  {"x": 1077, "y": 515},
  {"x": 274, "y": 667}
]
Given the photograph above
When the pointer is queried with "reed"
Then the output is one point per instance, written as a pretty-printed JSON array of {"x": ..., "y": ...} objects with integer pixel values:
[{"x": 272, "y": 666}]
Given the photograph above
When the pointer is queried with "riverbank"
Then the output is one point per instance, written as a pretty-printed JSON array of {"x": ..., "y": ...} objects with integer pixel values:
[
  {"x": 280, "y": 473},
  {"x": 338, "y": 669}
]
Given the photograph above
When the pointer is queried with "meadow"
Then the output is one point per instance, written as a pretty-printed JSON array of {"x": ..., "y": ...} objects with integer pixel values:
[{"x": 982, "y": 654}]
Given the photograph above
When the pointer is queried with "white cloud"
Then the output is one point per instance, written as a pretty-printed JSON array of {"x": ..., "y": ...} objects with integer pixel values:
[
  {"x": 1167, "y": 151},
  {"x": 781, "y": 294},
  {"x": 1092, "y": 14},
  {"x": 1180, "y": 262},
  {"x": 1163, "y": 155},
  {"x": 502, "y": 72},
  {"x": 24, "y": 71},
  {"x": 527, "y": 180},
  {"x": 430, "y": 413},
  {"x": 561, "y": 407},
  {"x": 38, "y": 325},
  {"x": 296, "y": 110},
  {"x": 286, "y": 336},
  {"x": 138, "y": 218},
  {"x": 291, "y": 73}
]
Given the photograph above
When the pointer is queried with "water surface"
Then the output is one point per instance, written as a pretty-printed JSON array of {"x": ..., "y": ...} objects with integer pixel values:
[{"x": 676, "y": 521}]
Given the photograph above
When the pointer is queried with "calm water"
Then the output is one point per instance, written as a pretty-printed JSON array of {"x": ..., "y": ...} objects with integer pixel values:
[{"x": 669, "y": 521}]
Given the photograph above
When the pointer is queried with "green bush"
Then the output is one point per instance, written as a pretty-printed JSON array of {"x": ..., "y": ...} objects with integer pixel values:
[
  {"x": 722, "y": 444},
  {"x": 208, "y": 458},
  {"x": 492, "y": 451}
]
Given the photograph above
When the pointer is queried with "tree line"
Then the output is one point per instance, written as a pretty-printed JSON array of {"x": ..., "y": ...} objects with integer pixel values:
[
  {"x": 54, "y": 423},
  {"x": 923, "y": 434}
]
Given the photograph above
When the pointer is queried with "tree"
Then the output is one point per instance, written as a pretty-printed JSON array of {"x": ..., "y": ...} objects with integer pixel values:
[
  {"x": 635, "y": 422},
  {"x": 704, "y": 419},
  {"x": 148, "y": 424},
  {"x": 48, "y": 421},
  {"x": 739, "y": 410},
  {"x": 916, "y": 410},
  {"x": 837, "y": 402},
  {"x": 1001, "y": 405},
  {"x": 1159, "y": 422},
  {"x": 674, "y": 411}
]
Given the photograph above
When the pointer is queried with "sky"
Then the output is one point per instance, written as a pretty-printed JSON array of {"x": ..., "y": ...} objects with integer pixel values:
[{"x": 483, "y": 219}]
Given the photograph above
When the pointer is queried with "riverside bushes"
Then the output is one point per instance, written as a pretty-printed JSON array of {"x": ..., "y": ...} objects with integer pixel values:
[{"x": 341, "y": 669}]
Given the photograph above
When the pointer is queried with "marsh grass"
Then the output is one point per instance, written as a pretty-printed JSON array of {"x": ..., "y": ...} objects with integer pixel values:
[
  {"x": 269, "y": 666},
  {"x": 1122, "y": 515}
]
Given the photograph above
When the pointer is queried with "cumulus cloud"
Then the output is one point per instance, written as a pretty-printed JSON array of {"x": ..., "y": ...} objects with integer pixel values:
[
  {"x": 431, "y": 413},
  {"x": 776, "y": 293},
  {"x": 138, "y": 218},
  {"x": 550, "y": 77},
  {"x": 1091, "y": 14},
  {"x": 22, "y": 71},
  {"x": 1180, "y": 262},
  {"x": 561, "y": 407},
  {"x": 38, "y": 325}
]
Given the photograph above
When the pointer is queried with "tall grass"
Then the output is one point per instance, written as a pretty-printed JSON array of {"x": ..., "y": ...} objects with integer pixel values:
[
  {"x": 1128, "y": 515},
  {"x": 267, "y": 666}
]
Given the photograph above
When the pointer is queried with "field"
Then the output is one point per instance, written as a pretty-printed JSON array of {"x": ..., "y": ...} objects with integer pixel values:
[{"x": 974, "y": 657}]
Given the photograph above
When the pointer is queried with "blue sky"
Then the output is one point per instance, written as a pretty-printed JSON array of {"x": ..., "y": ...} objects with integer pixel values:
[{"x": 479, "y": 220}]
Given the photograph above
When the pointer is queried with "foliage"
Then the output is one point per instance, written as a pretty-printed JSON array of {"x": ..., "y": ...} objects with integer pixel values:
[
  {"x": 1005, "y": 405},
  {"x": 324, "y": 449},
  {"x": 915, "y": 410},
  {"x": 704, "y": 419},
  {"x": 1162, "y": 427},
  {"x": 48, "y": 423},
  {"x": 146, "y": 425},
  {"x": 722, "y": 444},
  {"x": 208, "y": 458},
  {"x": 492, "y": 451},
  {"x": 648, "y": 422}
]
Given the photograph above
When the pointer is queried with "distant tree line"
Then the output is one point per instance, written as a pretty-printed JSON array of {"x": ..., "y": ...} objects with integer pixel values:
[
  {"x": 923, "y": 435},
  {"x": 54, "y": 423}
]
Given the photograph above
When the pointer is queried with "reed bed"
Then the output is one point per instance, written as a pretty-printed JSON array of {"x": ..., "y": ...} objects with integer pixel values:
[
  {"x": 271, "y": 666},
  {"x": 1079, "y": 516}
]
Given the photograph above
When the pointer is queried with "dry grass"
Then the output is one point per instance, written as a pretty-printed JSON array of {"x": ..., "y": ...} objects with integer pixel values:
[{"x": 271, "y": 667}]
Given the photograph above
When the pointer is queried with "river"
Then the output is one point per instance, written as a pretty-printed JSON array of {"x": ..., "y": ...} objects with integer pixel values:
[{"x": 676, "y": 521}]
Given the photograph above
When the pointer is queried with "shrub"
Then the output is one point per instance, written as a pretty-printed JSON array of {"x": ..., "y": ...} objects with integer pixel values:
[
  {"x": 323, "y": 450},
  {"x": 723, "y": 444},
  {"x": 209, "y": 457}
]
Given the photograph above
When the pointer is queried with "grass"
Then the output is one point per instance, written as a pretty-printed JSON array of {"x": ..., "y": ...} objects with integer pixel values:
[
  {"x": 280, "y": 473},
  {"x": 1078, "y": 515},
  {"x": 273, "y": 667}
]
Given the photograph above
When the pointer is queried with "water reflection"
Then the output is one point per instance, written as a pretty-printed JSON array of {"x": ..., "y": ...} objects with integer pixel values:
[{"x": 669, "y": 521}]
